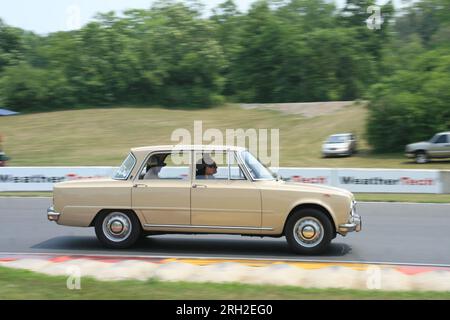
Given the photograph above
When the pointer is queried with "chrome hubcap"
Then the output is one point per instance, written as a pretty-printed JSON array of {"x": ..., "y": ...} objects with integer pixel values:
[
  {"x": 421, "y": 158},
  {"x": 117, "y": 226},
  {"x": 308, "y": 232}
]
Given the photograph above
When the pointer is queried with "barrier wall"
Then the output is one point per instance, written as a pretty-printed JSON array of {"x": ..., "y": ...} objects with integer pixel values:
[
  {"x": 43, "y": 178},
  {"x": 372, "y": 180},
  {"x": 355, "y": 180}
]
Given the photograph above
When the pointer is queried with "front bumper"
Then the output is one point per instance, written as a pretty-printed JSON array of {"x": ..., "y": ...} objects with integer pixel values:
[
  {"x": 353, "y": 224},
  {"x": 338, "y": 152},
  {"x": 52, "y": 215}
]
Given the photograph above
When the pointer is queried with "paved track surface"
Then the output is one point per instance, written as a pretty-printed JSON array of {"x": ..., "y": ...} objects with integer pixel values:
[{"x": 392, "y": 233}]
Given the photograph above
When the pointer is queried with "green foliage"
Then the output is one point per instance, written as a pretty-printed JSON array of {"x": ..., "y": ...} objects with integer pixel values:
[
  {"x": 411, "y": 101},
  {"x": 299, "y": 52},
  {"x": 11, "y": 46},
  {"x": 411, "y": 105},
  {"x": 165, "y": 55},
  {"x": 279, "y": 51},
  {"x": 426, "y": 19},
  {"x": 26, "y": 87}
]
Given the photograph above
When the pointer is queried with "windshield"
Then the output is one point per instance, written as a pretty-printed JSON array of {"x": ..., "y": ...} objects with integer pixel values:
[
  {"x": 125, "y": 169},
  {"x": 434, "y": 138},
  {"x": 256, "y": 168},
  {"x": 337, "y": 139}
]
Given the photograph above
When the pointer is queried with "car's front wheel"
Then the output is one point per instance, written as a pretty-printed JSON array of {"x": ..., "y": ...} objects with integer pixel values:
[
  {"x": 117, "y": 230},
  {"x": 421, "y": 157},
  {"x": 308, "y": 231}
]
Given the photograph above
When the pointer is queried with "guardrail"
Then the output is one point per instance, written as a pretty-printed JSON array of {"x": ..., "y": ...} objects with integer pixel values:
[{"x": 352, "y": 179}]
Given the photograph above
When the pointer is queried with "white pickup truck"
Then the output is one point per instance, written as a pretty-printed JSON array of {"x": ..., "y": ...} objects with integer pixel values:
[{"x": 436, "y": 147}]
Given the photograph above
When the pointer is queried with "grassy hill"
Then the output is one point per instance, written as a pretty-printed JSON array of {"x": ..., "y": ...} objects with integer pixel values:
[{"x": 104, "y": 136}]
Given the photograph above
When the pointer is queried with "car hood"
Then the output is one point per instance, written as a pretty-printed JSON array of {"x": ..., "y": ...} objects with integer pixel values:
[
  {"x": 319, "y": 188},
  {"x": 418, "y": 145}
]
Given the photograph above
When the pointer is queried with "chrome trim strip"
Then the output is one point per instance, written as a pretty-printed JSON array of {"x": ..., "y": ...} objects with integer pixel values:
[
  {"x": 202, "y": 227},
  {"x": 229, "y": 165},
  {"x": 244, "y": 167},
  {"x": 241, "y": 164},
  {"x": 225, "y": 210},
  {"x": 188, "y": 209}
]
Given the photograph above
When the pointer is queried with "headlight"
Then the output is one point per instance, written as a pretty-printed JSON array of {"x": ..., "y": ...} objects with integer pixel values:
[{"x": 353, "y": 207}]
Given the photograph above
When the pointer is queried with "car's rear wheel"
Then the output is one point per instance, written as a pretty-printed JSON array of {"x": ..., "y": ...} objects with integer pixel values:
[
  {"x": 117, "y": 230},
  {"x": 309, "y": 231},
  {"x": 421, "y": 157}
]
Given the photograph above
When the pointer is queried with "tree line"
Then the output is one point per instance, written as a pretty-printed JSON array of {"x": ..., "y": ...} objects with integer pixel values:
[{"x": 279, "y": 51}]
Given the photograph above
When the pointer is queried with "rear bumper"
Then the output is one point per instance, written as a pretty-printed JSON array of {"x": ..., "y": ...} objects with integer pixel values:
[{"x": 52, "y": 215}]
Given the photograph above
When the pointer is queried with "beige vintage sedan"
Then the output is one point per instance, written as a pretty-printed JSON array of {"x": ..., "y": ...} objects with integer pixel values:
[{"x": 203, "y": 189}]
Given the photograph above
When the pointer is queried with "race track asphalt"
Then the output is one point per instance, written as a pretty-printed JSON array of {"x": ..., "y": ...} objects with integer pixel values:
[{"x": 392, "y": 233}]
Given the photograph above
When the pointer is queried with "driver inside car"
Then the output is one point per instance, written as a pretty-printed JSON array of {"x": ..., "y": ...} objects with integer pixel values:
[
  {"x": 154, "y": 166},
  {"x": 206, "y": 169}
]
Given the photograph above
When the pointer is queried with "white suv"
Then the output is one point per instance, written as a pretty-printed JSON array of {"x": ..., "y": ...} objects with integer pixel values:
[{"x": 342, "y": 144}]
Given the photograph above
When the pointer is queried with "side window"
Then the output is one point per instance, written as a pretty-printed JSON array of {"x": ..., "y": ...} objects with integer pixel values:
[
  {"x": 214, "y": 166},
  {"x": 211, "y": 165},
  {"x": 167, "y": 166},
  {"x": 442, "y": 139}
]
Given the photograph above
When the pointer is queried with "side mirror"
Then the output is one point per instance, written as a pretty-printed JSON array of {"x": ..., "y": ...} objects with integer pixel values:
[{"x": 276, "y": 175}]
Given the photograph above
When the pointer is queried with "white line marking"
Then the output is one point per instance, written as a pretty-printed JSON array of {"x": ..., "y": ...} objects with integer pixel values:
[
  {"x": 399, "y": 202},
  {"x": 413, "y": 264},
  {"x": 17, "y": 197}
]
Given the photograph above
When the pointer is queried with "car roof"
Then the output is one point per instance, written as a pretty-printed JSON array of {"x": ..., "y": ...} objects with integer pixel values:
[
  {"x": 446, "y": 132},
  {"x": 187, "y": 147},
  {"x": 341, "y": 134}
]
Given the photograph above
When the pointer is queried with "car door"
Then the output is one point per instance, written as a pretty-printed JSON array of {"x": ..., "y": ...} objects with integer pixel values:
[
  {"x": 441, "y": 147},
  {"x": 446, "y": 148},
  {"x": 227, "y": 200},
  {"x": 165, "y": 198}
]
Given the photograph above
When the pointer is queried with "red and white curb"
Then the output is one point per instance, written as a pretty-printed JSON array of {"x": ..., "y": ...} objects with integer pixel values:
[{"x": 273, "y": 272}]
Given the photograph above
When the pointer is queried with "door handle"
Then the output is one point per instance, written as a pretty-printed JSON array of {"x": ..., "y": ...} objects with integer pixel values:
[
  {"x": 195, "y": 186},
  {"x": 140, "y": 185}
]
